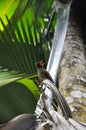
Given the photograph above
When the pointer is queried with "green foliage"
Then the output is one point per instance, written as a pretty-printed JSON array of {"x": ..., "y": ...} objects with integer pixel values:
[
  {"x": 14, "y": 100},
  {"x": 7, "y": 7},
  {"x": 22, "y": 43}
]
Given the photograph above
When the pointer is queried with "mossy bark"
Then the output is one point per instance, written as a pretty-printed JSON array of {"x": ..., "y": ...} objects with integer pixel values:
[{"x": 72, "y": 73}]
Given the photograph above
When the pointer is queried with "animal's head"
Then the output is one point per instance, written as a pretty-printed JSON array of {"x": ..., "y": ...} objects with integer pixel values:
[{"x": 40, "y": 64}]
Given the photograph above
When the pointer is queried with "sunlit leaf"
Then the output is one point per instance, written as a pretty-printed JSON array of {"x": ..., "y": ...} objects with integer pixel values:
[
  {"x": 22, "y": 43},
  {"x": 31, "y": 86}
]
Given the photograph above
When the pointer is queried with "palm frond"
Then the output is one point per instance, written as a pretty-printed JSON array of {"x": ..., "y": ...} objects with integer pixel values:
[
  {"x": 8, "y": 77},
  {"x": 42, "y": 5},
  {"x": 20, "y": 51},
  {"x": 15, "y": 99},
  {"x": 21, "y": 45}
]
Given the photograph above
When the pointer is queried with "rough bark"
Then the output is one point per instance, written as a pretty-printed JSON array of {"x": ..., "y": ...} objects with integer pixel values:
[{"x": 72, "y": 74}]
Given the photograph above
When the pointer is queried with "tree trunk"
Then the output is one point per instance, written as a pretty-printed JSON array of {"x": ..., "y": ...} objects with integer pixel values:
[{"x": 72, "y": 74}]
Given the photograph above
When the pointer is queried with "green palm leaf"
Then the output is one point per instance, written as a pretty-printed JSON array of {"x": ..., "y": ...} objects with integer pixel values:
[
  {"x": 21, "y": 45},
  {"x": 14, "y": 100},
  {"x": 18, "y": 53}
]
